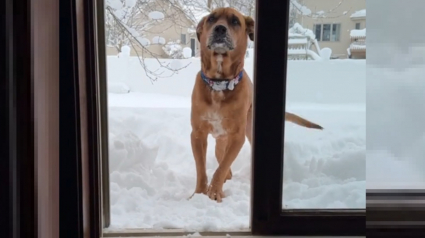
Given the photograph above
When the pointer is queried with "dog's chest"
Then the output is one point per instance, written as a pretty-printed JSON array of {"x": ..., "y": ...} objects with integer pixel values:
[{"x": 214, "y": 116}]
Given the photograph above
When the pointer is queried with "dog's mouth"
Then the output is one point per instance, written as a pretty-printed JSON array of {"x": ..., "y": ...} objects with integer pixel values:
[{"x": 220, "y": 44}]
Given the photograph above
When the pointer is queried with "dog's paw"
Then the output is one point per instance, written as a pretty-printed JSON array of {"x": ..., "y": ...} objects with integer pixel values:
[
  {"x": 200, "y": 190},
  {"x": 215, "y": 193},
  {"x": 229, "y": 175}
]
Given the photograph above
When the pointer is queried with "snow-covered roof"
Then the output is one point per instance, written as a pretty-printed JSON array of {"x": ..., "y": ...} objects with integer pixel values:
[
  {"x": 359, "y": 14},
  {"x": 358, "y": 33}
]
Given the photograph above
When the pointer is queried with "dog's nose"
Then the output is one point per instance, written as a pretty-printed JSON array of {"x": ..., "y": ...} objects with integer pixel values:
[{"x": 220, "y": 30}]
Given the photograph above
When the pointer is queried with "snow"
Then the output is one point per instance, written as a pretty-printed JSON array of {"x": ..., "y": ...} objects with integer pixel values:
[
  {"x": 158, "y": 40},
  {"x": 325, "y": 53},
  {"x": 187, "y": 52},
  {"x": 130, "y": 3},
  {"x": 117, "y": 87},
  {"x": 303, "y": 9},
  {"x": 115, "y": 4},
  {"x": 155, "y": 15},
  {"x": 175, "y": 64},
  {"x": 298, "y": 30},
  {"x": 125, "y": 50},
  {"x": 195, "y": 13},
  {"x": 297, "y": 41},
  {"x": 358, "y": 33},
  {"x": 360, "y": 13},
  {"x": 152, "y": 170},
  {"x": 396, "y": 134},
  {"x": 144, "y": 41}
]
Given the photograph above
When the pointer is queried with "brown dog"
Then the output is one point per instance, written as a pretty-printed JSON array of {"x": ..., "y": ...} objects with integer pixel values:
[{"x": 222, "y": 96}]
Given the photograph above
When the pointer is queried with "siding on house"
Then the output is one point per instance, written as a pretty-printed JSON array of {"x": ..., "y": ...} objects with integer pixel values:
[{"x": 343, "y": 18}]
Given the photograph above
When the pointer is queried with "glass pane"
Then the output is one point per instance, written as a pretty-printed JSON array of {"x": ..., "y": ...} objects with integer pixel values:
[
  {"x": 357, "y": 26},
  {"x": 326, "y": 32},
  {"x": 336, "y": 32},
  {"x": 318, "y": 31},
  {"x": 153, "y": 60},
  {"x": 395, "y": 97},
  {"x": 326, "y": 169}
]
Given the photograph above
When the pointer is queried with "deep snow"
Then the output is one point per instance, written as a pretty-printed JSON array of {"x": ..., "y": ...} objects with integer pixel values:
[{"x": 152, "y": 167}]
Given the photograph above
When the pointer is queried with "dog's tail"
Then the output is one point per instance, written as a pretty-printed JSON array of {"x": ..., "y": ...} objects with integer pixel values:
[{"x": 301, "y": 121}]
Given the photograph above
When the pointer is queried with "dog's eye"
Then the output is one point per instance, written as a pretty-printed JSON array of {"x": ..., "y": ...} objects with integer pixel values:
[
  {"x": 235, "y": 21},
  {"x": 211, "y": 19}
]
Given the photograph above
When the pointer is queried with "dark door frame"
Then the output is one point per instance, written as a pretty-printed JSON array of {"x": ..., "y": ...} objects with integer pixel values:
[
  {"x": 30, "y": 106},
  {"x": 29, "y": 117}
]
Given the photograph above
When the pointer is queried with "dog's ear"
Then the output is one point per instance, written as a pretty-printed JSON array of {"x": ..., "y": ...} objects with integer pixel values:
[
  {"x": 250, "y": 26},
  {"x": 199, "y": 28}
]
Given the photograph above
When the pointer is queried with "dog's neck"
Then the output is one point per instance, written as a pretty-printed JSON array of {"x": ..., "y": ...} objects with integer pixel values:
[{"x": 218, "y": 66}]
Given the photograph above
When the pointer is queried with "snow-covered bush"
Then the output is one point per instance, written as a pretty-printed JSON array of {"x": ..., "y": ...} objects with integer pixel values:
[{"x": 174, "y": 50}]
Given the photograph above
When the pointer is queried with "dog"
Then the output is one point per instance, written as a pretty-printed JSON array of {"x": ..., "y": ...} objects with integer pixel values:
[{"x": 222, "y": 96}]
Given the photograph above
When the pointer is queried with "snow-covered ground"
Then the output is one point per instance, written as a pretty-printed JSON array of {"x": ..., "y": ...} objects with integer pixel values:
[{"x": 152, "y": 170}]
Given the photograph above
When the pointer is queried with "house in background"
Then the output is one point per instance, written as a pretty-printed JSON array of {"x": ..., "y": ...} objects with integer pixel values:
[
  {"x": 178, "y": 26},
  {"x": 332, "y": 21}
]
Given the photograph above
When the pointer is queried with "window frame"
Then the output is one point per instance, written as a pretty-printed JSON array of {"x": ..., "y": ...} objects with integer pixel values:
[
  {"x": 268, "y": 217},
  {"x": 314, "y": 31},
  {"x": 18, "y": 199},
  {"x": 183, "y": 42},
  {"x": 395, "y": 212},
  {"x": 21, "y": 157},
  {"x": 339, "y": 35},
  {"x": 358, "y": 24},
  {"x": 330, "y": 33},
  {"x": 84, "y": 206}
]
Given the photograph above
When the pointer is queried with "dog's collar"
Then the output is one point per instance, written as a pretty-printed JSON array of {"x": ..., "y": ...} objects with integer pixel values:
[{"x": 222, "y": 84}]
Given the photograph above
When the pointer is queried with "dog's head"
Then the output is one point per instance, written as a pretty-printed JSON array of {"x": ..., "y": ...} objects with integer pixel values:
[{"x": 224, "y": 31}]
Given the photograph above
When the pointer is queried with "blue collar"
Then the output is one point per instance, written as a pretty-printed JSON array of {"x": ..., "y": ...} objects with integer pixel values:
[{"x": 222, "y": 84}]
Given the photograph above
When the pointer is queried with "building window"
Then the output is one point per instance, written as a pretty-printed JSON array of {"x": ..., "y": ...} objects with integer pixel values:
[
  {"x": 183, "y": 38},
  {"x": 317, "y": 29},
  {"x": 336, "y": 30},
  {"x": 358, "y": 26},
  {"x": 327, "y": 32}
]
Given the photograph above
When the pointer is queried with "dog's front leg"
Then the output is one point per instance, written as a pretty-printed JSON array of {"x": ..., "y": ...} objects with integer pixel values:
[
  {"x": 234, "y": 144},
  {"x": 198, "y": 140}
]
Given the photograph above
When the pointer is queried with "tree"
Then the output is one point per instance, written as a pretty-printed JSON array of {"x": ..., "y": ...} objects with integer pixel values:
[{"x": 128, "y": 21}]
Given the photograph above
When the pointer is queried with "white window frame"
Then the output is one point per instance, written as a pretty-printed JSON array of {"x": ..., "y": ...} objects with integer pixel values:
[{"x": 321, "y": 31}]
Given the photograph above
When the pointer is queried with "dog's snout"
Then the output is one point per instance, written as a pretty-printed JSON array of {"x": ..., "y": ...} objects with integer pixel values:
[{"x": 220, "y": 30}]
